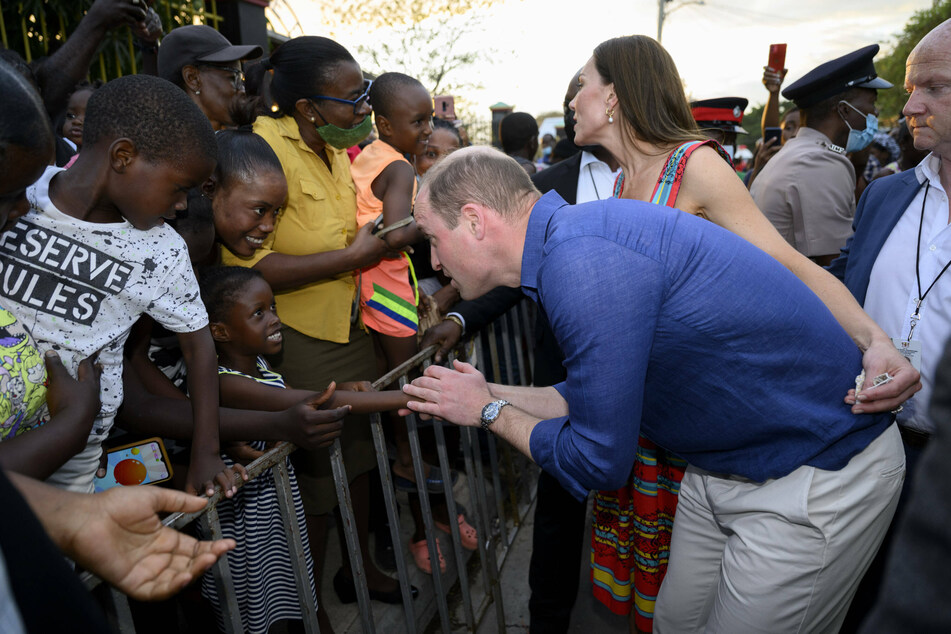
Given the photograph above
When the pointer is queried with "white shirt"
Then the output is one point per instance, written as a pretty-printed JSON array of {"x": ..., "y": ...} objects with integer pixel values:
[
  {"x": 893, "y": 289},
  {"x": 595, "y": 179},
  {"x": 78, "y": 287}
]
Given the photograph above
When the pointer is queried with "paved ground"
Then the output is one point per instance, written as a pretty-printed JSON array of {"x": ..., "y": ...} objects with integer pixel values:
[{"x": 588, "y": 617}]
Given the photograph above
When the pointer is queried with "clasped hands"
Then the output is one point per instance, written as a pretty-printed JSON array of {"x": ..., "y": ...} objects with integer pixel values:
[{"x": 455, "y": 394}]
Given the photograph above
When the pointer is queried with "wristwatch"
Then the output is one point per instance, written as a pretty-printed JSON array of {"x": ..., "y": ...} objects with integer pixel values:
[{"x": 491, "y": 411}]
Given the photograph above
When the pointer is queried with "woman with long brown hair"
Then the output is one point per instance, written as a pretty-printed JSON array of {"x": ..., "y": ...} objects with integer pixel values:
[{"x": 631, "y": 102}]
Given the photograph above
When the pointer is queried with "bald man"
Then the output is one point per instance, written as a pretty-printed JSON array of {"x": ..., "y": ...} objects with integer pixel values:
[{"x": 896, "y": 262}]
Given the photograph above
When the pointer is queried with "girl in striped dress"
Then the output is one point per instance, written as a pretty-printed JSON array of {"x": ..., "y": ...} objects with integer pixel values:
[{"x": 245, "y": 326}]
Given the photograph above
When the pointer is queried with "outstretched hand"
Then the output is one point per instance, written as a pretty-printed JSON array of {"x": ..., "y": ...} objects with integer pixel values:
[
  {"x": 881, "y": 357},
  {"x": 309, "y": 426},
  {"x": 118, "y": 536},
  {"x": 446, "y": 334},
  {"x": 206, "y": 470},
  {"x": 456, "y": 395}
]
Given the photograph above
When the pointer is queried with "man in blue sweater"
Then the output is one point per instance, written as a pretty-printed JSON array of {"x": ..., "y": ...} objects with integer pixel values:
[{"x": 673, "y": 325}]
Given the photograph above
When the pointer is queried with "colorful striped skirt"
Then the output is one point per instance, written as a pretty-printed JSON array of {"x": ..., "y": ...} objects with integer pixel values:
[{"x": 630, "y": 539}]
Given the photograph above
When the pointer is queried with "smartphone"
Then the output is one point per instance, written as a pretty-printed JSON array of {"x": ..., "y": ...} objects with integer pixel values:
[
  {"x": 777, "y": 57},
  {"x": 141, "y": 462},
  {"x": 772, "y": 133},
  {"x": 445, "y": 107},
  {"x": 377, "y": 224}
]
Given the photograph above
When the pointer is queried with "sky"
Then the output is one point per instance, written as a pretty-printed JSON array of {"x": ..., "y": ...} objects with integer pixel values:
[{"x": 719, "y": 46}]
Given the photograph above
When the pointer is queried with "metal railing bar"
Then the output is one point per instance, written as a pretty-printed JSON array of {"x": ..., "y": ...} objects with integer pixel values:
[
  {"x": 493, "y": 457},
  {"x": 295, "y": 547},
  {"x": 529, "y": 335},
  {"x": 227, "y": 601},
  {"x": 453, "y": 513},
  {"x": 123, "y": 613},
  {"x": 393, "y": 515},
  {"x": 428, "y": 522},
  {"x": 491, "y": 569},
  {"x": 350, "y": 533}
]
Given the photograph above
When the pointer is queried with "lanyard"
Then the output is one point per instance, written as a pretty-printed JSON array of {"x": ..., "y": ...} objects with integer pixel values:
[{"x": 921, "y": 296}]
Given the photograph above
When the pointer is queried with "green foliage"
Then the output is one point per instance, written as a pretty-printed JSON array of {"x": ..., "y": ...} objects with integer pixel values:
[
  {"x": 37, "y": 28},
  {"x": 892, "y": 65}
]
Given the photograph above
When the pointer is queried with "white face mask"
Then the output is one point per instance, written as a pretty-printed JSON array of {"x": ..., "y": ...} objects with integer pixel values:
[{"x": 729, "y": 149}]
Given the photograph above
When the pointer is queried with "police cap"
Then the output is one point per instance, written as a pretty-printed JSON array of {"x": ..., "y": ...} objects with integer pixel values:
[
  {"x": 724, "y": 113},
  {"x": 854, "y": 70}
]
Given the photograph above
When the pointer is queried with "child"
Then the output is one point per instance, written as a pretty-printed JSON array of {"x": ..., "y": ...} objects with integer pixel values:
[
  {"x": 386, "y": 182},
  {"x": 247, "y": 191},
  {"x": 71, "y": 127},
  {"x": 246, "y": 327},
  {"x": 92, "y": 255}
]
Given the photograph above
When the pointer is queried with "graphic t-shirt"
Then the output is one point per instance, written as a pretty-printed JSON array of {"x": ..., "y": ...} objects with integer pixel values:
[
  {"x": 78, "y": 287},
  {"x": 22, "y": 379}
]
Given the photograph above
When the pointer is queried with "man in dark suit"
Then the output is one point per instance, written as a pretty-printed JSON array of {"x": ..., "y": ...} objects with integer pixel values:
[
  {"x": 896, "y": 263},
  {"x": 558, "y": 534}
]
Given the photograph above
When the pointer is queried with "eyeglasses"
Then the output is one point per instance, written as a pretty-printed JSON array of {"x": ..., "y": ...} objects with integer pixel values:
[
  {"x": 356, "y": 103},
  {"x": 237, "y": 74}
]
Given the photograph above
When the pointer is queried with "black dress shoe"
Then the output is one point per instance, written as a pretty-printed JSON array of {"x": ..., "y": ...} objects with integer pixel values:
[{"x": 347, "y": 591}]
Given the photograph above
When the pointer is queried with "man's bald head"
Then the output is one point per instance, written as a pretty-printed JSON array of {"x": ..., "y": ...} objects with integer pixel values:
[
  {"x": 937, "y": 41},
  {"x": 481, "y": 175},
  {"x": 928, "y": 82}
]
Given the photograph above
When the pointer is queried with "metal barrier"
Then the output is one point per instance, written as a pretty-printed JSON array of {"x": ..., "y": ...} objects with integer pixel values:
[{"x": 496, "y": 525}]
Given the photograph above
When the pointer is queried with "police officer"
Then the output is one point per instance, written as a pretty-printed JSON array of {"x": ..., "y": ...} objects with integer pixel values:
[
  {"x": 720, "y": 119},
  {"x": 808, "y": 189}
]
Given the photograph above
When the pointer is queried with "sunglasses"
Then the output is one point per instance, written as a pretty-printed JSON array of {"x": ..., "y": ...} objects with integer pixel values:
[
  {"x": 356, "y": 103},
  {"x": 237, "y": 74}
]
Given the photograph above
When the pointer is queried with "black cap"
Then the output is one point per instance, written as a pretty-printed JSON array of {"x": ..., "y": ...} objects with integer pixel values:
[
  {"x": 854, "y": 70},
  {"x": 188, "y": 45},
  {"x": 723, "y": 113}
]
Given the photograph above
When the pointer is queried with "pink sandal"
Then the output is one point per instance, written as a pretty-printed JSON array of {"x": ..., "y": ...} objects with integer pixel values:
[
  {"x": 467, "y": 534},
  {"x": 420, "y": 552}
]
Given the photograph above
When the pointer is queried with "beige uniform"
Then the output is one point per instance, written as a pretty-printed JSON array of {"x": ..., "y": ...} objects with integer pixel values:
[{"x": 808, "y": 192}]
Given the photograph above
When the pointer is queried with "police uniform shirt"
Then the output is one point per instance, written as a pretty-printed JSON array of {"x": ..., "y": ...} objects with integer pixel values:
[{"x": 807, "y": 191}]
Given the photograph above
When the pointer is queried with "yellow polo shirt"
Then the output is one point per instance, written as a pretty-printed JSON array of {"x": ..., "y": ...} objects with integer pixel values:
[{"x": 321, "y": 215}]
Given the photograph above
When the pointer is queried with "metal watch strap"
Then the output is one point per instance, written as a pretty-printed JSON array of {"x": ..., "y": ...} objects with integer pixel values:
[{"x": 487, "y": 411}]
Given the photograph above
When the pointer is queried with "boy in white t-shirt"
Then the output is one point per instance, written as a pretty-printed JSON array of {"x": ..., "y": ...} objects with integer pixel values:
[{"x": 93, "y": 254}]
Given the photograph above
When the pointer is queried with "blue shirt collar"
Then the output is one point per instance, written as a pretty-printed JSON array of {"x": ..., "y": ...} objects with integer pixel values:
[{"x": 535, "y": 237}]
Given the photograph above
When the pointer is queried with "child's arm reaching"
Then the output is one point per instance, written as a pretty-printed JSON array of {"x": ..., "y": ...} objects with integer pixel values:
[
  {"x": 205, "y": 467},
  {"x": 73, "y": 405},
  {"x": 246, "y": 393},
  {"x": 394, "y": 186}
]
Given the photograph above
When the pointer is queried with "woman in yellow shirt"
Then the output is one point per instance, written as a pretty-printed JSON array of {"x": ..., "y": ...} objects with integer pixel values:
[{"x": 320, "y": 109}]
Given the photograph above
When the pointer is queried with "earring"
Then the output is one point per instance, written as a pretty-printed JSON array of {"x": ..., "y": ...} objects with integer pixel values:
[
  {"x": 313, "y": 120},
  {"x": 610, "y": 113},
  {"x": 197, "y": 92}
]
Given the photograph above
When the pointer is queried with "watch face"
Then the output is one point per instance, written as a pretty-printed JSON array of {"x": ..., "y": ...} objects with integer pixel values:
[{"x": 490, "y": 411}]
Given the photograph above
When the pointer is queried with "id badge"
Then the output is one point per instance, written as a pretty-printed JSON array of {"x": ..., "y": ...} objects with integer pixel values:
[{"x": 911, "y": 350}]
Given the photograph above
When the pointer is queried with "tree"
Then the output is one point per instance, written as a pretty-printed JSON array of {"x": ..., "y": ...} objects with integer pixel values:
[
  {"x": 892, "y": 65},
  {"x": 423, "y": 38}
]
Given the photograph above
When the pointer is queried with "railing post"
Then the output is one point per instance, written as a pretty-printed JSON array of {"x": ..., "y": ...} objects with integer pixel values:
[
  {"x": 453, "y": 512},
  {"x": 295, "y": 547},
  {"x": 350, "y": 532},
  {"x": 230, "y": 612},
  {"x": 427, "y": 512},
  {"x": 393, "y": 515}
]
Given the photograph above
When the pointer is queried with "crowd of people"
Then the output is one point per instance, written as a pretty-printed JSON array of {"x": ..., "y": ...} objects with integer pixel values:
[{"x": 224, "y": 250}]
